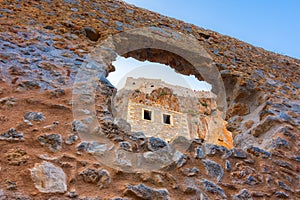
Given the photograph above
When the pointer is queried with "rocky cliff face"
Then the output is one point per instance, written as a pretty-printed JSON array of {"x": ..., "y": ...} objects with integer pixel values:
[{"x": 43, "y": 43}]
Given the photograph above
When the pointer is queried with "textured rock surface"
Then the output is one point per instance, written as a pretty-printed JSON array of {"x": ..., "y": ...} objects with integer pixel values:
[
  {"x": 49, "y": 178},
  {"x": 144, "y": 192},
  {"x": 42, "y": 45}
]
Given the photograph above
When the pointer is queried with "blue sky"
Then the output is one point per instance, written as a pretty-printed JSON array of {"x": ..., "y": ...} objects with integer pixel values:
[{"x": 271, "y": 24}]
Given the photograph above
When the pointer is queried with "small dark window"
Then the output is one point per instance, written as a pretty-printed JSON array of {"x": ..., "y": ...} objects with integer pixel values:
[
  {"x": 152, "y": 85},
  {"x": 166, "y": 119},
  {"x": 133, "y": 83},
  {"x": 147, "y": 114}
]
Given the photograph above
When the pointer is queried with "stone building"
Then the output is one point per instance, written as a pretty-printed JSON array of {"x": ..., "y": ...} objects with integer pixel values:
[{"x": 166, "y": 111}]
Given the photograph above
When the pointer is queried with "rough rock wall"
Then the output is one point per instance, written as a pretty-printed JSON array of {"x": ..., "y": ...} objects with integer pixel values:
[{"x": 42, "y": 45}]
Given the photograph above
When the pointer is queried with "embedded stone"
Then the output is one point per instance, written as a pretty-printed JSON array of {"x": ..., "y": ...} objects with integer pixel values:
[
  {"x": 100, "y": 177},
  {"x": 227, "y": 165},
  {"x": 34, "y": 116},
  {"x": 190, "y": 186},
  {"x": 53, "y": 141},
  {"x": 155, "y": 144},
  {"x": 144, "y": 192},
  {"x": 211, "y": 149},
  {"x": 190, "y": 171},
  {"x": 48, "y": 178},
  {"x": 243, "y": 195},
  {"x": 12, "y": 135},
  {"x": 284, "y": 186},
  {"x": 125, "y": 145},
  {"x": 199, "y": 153},
  {"x": 92, "y": 147},
  {"x": 239, "y": 153},
  {"x": 213, "y": 169},
  {"x": 258, "y": 152},
  {"x": 71, "y": 139},
  {"x": 213, "y": 188},
  {"x": 281, "y": 194},
  {"x": 179, "y": 158},
  {"x": 280, "y": 143},
  {"x": 251, "y": 180},
  {"x": 284, "y": 164}
]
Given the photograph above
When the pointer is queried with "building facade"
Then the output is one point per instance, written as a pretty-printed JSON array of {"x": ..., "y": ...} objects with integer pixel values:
[{"x": 167, "y": 111}]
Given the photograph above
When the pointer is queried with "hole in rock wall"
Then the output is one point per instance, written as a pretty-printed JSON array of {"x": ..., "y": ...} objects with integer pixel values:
[{"x": 159, "y": 102}]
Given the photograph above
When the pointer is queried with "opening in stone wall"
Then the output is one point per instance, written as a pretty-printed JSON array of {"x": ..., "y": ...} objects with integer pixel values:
[
  {"x": 166, "y": 119},
  {"x": 164, "y": 97},
  {"x": 147, "y": 115}
]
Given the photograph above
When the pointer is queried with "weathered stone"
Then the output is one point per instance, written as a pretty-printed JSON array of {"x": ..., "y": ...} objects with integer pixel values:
[
  {"x": 144, "y": 192},
  {"x": 213, "y": 169},
  {"x": 284, "y": 164},
  {"x": 251, "y": 180},
  {"x": 265, "y": 125},
  {"x": 12, "y": 135},
  {"x": 199, "y": 153},
  {"x": 135, "y": 136},
  {"x": 78, "y": 126},
  {"x": 125, "y": 145},
  {"x": 258, "y": 152},
  {"x": 179, "y": 158},
  {"x": 280, "y": 143},
  {"x": 71, "y": 139},
  {"x": 282, "y": 195},
  {"x": 48, "y": 178},
  {"x": 72, "y": 194},
  {"x": 284, "y": 186},
  {"x": 213, "y": 188},
  {"x": 242, "y": 195},
  {"x": 239, "y": 153},
  {"x": 92, "y": 147},
  {"x": 190, "y": 171},
  {"x": 100, "y": 177},
  {"x": 122, "y": 159},
  {"x": 155, "y": 144},
  {"x": 227, "y": 165},
  {"x": 53, "y": 141},
  {"x": 34, "y": 116},
  {"x": 190, "y": 186},
  {"x": 123, "y": 125},
  {"x": 211, "y": 149}
]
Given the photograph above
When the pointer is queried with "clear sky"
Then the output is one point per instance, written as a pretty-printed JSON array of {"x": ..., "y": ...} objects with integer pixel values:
[
  {"x": 130, "y": 67},
  {"x": 271, "y": 24}
]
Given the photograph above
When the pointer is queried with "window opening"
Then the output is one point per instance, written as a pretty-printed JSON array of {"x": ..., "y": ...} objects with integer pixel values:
[
  {"x": 147, "y": 114},
  {"x": 166, "y": 119}
]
